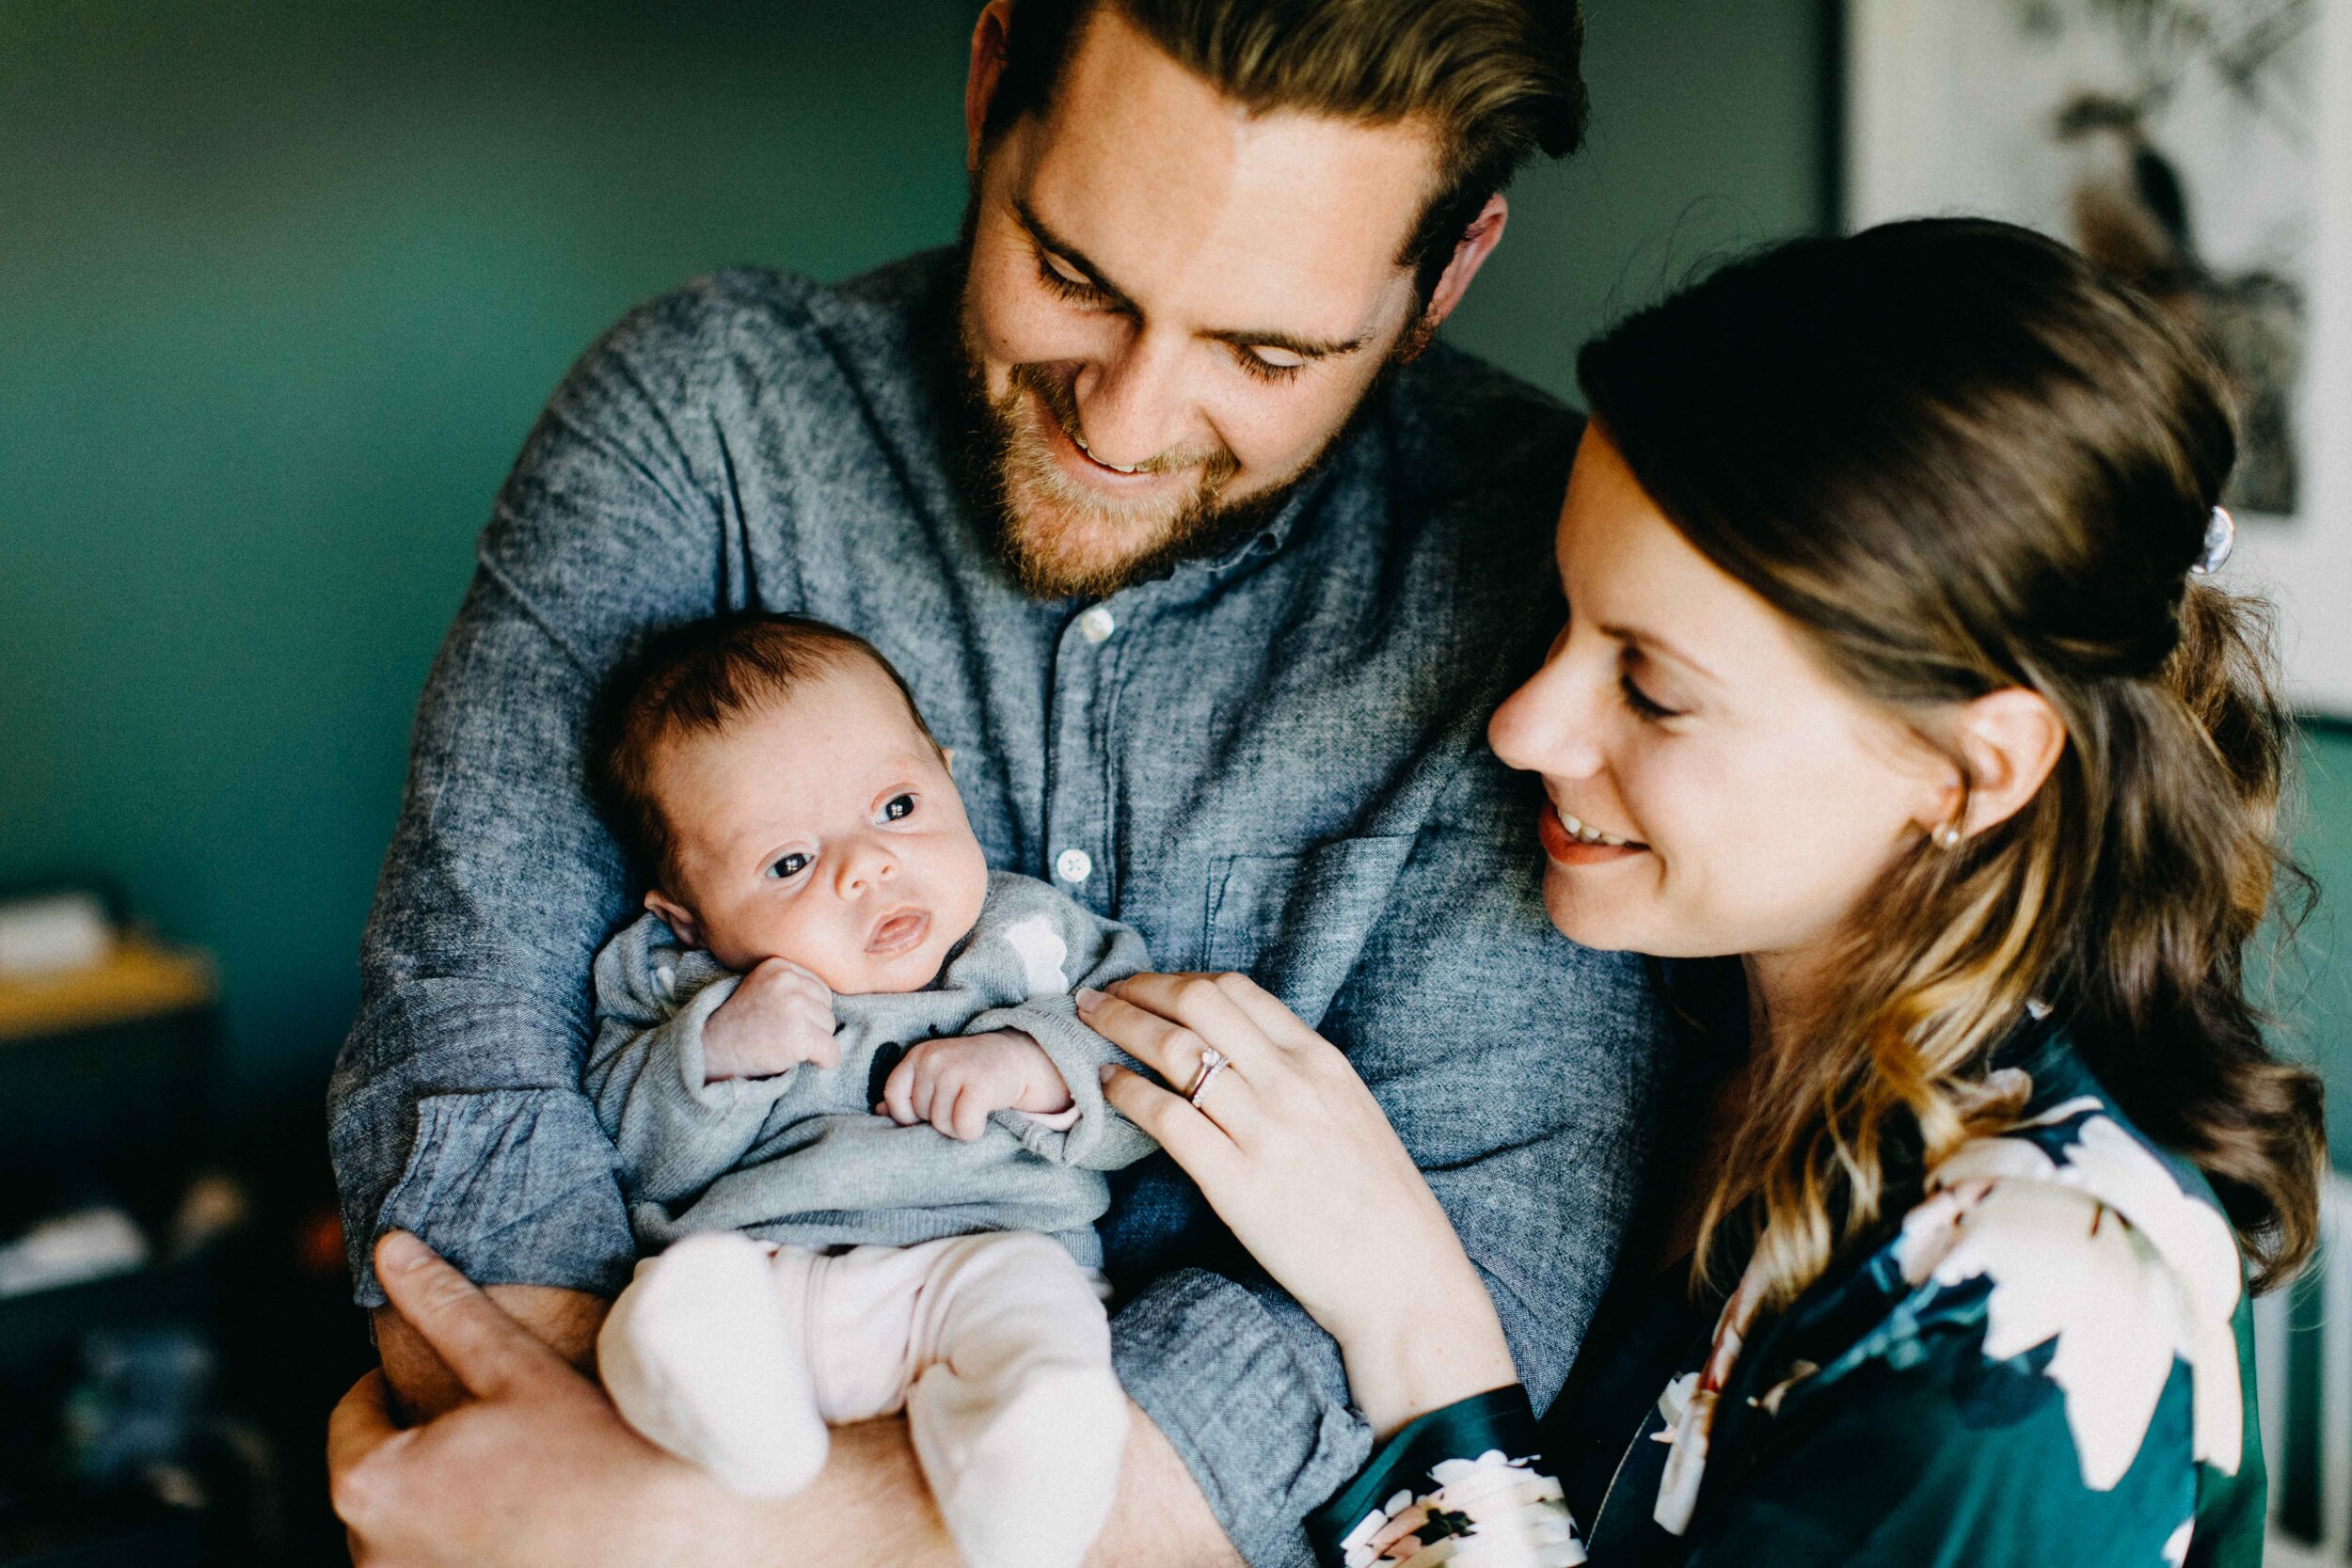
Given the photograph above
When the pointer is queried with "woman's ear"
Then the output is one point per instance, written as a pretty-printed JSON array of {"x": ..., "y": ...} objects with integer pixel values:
[
  {"x": 676, "y": 916},
  {"x": 2010, "y": 740}
]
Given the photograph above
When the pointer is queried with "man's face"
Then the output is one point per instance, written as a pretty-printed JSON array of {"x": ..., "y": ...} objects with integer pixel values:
[{"x": 1173, "y": 306}]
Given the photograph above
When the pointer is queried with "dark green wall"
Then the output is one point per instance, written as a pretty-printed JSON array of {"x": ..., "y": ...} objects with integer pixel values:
[{"x": 284, "y": 283}]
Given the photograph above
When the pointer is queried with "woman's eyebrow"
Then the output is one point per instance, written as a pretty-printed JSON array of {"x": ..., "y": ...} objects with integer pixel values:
[{"x": 1650, "y": 642}]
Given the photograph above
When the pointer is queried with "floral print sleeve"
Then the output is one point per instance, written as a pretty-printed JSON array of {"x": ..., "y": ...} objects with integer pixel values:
[
  {"x": 1461, "y": 1486},
  {"x": 2046, "y": 1361}
]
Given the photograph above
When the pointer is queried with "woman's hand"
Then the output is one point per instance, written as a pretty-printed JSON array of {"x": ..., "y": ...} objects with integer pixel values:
[{"x": 1293, "y": 1152}]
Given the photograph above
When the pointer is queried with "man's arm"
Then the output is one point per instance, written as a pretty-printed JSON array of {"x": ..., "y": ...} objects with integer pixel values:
[
  {"x": 536, "y": 1468},
  {"x": 456, "y": 1110}
]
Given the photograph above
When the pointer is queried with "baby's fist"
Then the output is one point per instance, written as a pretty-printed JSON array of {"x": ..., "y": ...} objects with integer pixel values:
[
  {"x": 958, "y": 1082},
  {"x": 779, "y": 1017}
]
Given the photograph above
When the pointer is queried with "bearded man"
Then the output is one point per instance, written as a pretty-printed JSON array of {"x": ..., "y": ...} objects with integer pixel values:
[{"x": 1208, "y": 564}]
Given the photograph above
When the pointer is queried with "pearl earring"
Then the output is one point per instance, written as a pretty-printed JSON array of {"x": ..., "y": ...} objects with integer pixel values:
[{"x": 1945, "y": 836}]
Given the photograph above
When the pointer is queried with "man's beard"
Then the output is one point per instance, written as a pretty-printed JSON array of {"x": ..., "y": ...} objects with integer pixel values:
[{"x": 1042, "y": 518}]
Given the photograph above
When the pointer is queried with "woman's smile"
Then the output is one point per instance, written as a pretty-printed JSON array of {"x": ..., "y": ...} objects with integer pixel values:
[{"x": 1568, "y": 841}]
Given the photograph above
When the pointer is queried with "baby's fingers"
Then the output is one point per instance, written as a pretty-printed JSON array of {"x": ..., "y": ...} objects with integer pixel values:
[
  {"x": 898, "y": 1095},
  {"x": 967, "y": 1114}
]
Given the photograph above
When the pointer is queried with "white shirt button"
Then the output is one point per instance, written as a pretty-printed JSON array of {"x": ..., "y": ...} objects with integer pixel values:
[
  {"x": 1096, "y": 626},
  {"x": 1074, "y": 865}
]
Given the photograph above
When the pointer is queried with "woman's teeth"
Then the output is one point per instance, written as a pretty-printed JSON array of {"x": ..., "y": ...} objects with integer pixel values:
[{"x": 1584, "y": 835}]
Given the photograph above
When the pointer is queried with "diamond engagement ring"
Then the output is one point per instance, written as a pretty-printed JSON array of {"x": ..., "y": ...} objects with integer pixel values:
[{"x": 1212, "y": 1062}]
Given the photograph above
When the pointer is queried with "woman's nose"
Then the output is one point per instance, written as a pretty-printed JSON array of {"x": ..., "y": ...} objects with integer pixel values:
[{"x": 1549, "y": 725}]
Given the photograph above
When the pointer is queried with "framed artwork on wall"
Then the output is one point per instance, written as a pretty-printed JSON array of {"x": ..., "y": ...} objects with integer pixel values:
[{"x": 2202, "y": 148}]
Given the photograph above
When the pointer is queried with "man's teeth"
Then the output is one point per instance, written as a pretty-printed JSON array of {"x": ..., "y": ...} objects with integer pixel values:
[
  {"x": 1584, "y": 835},
  {"x": 1112, "y": 467}
]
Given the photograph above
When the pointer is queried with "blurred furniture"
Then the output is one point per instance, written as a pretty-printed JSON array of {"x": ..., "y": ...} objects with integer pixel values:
[{"x": 103, "y": 1077}]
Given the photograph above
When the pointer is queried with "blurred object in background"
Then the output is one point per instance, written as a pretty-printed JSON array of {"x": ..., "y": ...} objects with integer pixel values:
[
  {"x": 58, "y": 934},
  {"x": 2200, "y": 149}
]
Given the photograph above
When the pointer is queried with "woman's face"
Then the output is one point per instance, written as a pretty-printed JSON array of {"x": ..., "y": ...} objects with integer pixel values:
[{"x": 1712, "y": 790}]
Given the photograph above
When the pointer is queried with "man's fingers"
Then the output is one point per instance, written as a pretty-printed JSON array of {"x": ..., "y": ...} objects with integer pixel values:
[
  {"x": 360, "y": 1423},
  {"x": 489, "y": 1352}
]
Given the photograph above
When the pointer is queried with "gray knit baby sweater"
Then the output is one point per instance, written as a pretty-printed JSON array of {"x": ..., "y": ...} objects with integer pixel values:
[{"x": 801, "y": 1157}]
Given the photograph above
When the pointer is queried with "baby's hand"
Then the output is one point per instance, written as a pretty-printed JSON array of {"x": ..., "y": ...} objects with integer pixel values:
[
  {"x": 779, "y": 1017},
  {"x": 957, "y": 1083}
]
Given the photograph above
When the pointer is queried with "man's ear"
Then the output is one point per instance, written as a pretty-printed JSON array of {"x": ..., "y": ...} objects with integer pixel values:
[
  {"x": 2010, "y": 740},
  {"x": 676, "y": 916},
  {"x": 1478, "y": 242},
  {"x": 989, "y": 37}
]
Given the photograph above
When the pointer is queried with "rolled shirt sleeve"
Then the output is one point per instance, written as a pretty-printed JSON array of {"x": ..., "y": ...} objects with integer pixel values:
[{"x": 455, "y": 1108}]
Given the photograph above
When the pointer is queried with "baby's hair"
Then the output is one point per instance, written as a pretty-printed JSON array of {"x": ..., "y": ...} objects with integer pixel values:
[{"x": 698, "y": 679}]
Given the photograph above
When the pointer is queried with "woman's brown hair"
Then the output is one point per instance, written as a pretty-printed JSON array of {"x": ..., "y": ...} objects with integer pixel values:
[{"x": 1960, "y": 460}]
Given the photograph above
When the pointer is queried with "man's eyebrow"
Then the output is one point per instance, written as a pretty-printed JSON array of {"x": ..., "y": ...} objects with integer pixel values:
[
  {"x": 1289, "y": 343},
  {"x": 1068, "y": 252},
  {"x": 1651, "y": 643}
]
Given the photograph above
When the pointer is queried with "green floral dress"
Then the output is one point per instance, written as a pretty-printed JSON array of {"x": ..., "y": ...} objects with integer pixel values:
[{"x": 2046, "y": 1360}]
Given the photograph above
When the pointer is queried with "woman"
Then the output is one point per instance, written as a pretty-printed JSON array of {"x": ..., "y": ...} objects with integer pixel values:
[{"x": 1891, "y": 672}]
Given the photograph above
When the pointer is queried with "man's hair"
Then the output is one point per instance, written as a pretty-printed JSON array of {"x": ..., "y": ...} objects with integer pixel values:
[
  {"x": 698, "y": 679},
  {"x": 1498, "y": 79}
]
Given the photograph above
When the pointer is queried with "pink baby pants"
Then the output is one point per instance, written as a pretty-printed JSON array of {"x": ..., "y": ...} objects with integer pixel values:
[{"x": 736, "y": 1355}]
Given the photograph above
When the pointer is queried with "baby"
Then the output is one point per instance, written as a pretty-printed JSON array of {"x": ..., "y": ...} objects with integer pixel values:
[{"x": 852, "y": 1098}]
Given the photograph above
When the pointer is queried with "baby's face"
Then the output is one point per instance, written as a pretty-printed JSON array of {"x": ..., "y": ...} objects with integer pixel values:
[{"x": 823, "y": 829}]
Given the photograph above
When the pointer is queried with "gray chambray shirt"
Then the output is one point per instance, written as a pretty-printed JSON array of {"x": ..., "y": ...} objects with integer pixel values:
[
  {"x": 1271, "y": 761},
  {"x": 800, "y": 1157}
]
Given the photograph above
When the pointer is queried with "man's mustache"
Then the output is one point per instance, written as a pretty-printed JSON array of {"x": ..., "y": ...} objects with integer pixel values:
[{"x": 1061, "y": 401}]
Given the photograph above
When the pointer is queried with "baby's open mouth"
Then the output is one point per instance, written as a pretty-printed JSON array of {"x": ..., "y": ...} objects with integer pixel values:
[{"x": 898, "y": 931}]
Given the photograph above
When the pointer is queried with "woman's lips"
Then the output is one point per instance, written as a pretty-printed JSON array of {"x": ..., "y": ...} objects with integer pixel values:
[
  {"x": 1566, "y": 848},
  {"x": 901, "y": 932}
]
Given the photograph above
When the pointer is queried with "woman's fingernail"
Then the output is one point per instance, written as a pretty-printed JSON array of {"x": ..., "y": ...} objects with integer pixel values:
[
  {"x": 400, "y": 1251},
  {"x": 1089, "y": 999},
  {"x": 1104, "y": 1071}
]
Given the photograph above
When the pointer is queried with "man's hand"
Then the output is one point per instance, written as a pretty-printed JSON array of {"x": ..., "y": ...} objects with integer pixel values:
[
  {"x": 423, "y": 1386},
  {"x": 779, "y": 1017},
  {"x": 538, "y": 1469},
  {"x": 958, "y": 1082},
  {"x": 567, "y": 1483}
]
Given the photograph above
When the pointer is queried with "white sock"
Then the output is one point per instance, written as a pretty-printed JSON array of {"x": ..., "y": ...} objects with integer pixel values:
[{"x": 701, "y": 1358}]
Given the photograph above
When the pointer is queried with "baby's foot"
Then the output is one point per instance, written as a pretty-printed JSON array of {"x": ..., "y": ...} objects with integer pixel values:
[{"x": 700, "y": 1358}]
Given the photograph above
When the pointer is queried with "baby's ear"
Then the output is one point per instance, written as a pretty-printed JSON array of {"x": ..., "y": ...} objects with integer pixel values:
[
  {"x": 679, "y": 917},
  {"x": 948, "y": 755}
]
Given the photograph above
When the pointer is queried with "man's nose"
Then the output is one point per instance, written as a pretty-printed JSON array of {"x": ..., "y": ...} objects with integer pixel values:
[{"x": 1133, "y": 403}]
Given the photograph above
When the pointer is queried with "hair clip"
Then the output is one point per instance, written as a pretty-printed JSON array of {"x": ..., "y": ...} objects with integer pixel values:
[{"x": 2220, "y": 539}]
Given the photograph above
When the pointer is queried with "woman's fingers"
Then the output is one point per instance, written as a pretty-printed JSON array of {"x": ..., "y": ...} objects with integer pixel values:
[
  {"x": 1168, "y": 1021},
  {"x": 1276, "y": 1022},
  {"x": 489, "y": 1352},
  {"x": 1191, "y": 1139}
]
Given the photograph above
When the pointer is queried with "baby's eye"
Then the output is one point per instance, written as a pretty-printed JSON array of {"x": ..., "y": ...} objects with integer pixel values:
[
  {"x": 899, "y": 806},
  {"x": 788, "y": 866}
]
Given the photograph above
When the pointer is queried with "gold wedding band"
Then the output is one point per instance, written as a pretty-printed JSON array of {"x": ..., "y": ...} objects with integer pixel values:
[{"x": 1212, "y": 1062}]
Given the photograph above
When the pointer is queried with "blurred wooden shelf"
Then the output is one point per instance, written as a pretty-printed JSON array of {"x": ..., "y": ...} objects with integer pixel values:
[{"x": 139, "y": 979}]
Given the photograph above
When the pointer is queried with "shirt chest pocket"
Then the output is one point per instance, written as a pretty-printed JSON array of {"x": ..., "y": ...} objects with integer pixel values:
[{"x": 1295, "y": 923}]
